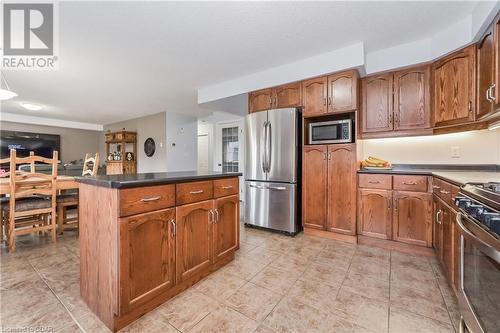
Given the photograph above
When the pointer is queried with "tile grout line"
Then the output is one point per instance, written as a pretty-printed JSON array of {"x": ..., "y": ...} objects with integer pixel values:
[{"x": 58, "y": 299}]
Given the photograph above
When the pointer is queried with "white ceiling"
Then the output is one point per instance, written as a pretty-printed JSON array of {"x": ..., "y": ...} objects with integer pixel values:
[{"x": 120, "y": 60}]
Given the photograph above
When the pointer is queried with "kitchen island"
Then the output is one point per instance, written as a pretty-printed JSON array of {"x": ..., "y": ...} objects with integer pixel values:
[{"x": 145, "y": 238}]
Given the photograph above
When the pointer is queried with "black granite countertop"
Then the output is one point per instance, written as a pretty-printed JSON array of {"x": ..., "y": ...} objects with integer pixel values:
[{"x": 148, "y": 179}]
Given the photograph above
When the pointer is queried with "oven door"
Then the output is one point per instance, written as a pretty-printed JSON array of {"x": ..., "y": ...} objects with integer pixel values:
[
  {"x": 338, "y": 131},
  {"x": 479, "y": 294}
]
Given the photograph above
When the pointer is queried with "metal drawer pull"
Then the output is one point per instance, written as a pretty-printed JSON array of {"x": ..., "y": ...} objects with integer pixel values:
[
  {"x": 216, "y": 215},
  {"x": 174, "y": 227},
  {"x": 196, "y": 192},
  {"x": 435, "y": 186},
  {"x": 227, "y": 187},
  {"x": 374, "y": 181},
  {"x": 410, "y": 183},
  {"x": 444, "y": 192},
  {"x": 151, "y": 199}
]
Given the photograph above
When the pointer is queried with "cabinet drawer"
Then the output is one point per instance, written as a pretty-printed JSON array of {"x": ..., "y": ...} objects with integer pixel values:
[
  {"x": 410, "y": 183},
  {"x": 375, "y": 181},
  {"x": 193, "y": 192},
  {"x": 442, "y": 189},
  {"x": 146, "y": 199},
  {"x": 223, "y": 187}
]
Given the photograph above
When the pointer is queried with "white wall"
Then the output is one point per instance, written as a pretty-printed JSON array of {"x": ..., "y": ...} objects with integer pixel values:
[
  {"x": 182, "y": 142},
  {"x": 208, "y": 128},
  {"x": 476, "y": 147}
]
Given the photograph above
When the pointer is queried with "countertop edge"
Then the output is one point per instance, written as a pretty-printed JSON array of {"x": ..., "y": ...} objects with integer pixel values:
[{"x": 116, "y": 184}]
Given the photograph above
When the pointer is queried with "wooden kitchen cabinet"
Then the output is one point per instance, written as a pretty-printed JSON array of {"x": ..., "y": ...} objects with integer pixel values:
[
  {"x": 485, "y": 73},
  {"x": 412, "y": 220},
  {"x": 194, "y": 228},
  {"x": 314, "y": 186},
  {"x": 329, "y": 188},
  {"x": 437, "y": 230},
  {"x": 225, "y": 227},
  {"x": 412, "y": 98},
  {"x": 454, "y": 88},
  {"x": 447, "y": 230},
  {"x": 315, "y": 96},
  {"x": 287, "y": 96},
  {"x": 377, "y": 104},
  {"x": 147, "y": 260},
  {"x": 260, "y": 100},
  {"x": 341, "y": 189},
  {"x": 375, "y": 213},
  {"x": 343, "y": 91}
]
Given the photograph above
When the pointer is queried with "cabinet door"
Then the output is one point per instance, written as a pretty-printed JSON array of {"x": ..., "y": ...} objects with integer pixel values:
[
  {"x": 341, "y": 216},
  {"x": 375, "y": 213},
  {"x": 287, "y": 96},
  {"x": 412, "y": 99},
  {"x": 456, "y": 250},
  {"x": 314, "y": 92},
  {"x": 377, "y": 103},
  {"x": 412, "y": 220},
  {"x": 226, "y": 226},
  {"x": 314, "y": 186},
  {"x": 343, "y": 92},
  {"x": 260, "y": 100},
  {"x": 147, "y": 257},
  {"x": 437, "y": 229},
  {"x": 447, "y": 227},
  {"x": 194, "y": 239},
  {"x": 496, "y": 78},
  {"x": 454, "y": 88},
  {"x": 485, "y": 73}
]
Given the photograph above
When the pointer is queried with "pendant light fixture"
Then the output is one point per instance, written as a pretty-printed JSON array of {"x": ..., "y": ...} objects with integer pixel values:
[{"x": 5, "y": 92}]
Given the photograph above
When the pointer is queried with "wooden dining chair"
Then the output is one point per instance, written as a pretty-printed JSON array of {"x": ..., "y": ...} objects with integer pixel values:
[
  {"x": 69, "y": 201},
  {"x": 32, "y": 203}
]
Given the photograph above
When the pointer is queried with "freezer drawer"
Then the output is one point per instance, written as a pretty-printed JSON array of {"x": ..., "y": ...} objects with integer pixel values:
[{"x": 271, "y": 205}]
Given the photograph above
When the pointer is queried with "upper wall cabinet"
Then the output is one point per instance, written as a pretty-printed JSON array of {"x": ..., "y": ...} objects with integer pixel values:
[
  {"x": 396, "y": 101},
  {"x": 330, "y": 94},
  {"x": 288, "y": 95},
  {"x": 454, "y": 88}
]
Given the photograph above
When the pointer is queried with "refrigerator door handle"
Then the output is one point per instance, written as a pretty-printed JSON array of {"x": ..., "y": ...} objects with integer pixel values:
[
  {"x": 262, "y": 146},
  {"x": 277, "y": 188},
  {"x": 269, "y": 146}
]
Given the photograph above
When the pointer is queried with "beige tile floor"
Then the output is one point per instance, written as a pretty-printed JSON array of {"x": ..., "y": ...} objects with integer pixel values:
[{"x": 275, "y": 284}]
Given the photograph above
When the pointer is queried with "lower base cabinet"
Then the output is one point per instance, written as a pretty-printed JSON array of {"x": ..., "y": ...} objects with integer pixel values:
[
  {"x": 412, "y": 220},
  {"x": 147, "y": 247},
  {"x": 226, "y": 231},
  {"x": 375, "y": 213}
]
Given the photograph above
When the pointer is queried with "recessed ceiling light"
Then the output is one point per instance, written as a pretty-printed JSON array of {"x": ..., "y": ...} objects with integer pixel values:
[{"x": 31, "y": 107}]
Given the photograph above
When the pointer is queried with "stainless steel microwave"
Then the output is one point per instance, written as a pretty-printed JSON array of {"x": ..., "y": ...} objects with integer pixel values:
[{"x": 334, "y": 131}]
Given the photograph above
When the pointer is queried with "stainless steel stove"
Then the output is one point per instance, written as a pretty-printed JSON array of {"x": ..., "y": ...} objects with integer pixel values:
[{"x": 478, "y": 221}]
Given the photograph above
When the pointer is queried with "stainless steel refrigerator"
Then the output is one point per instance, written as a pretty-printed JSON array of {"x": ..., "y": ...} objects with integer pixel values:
[{"x": 272, "y": 166}]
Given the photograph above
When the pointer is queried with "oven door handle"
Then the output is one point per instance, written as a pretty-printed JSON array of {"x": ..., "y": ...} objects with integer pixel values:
[{"x": 470, "y": 235}]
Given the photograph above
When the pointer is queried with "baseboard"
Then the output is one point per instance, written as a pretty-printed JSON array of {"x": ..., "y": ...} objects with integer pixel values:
[
  {"x": 398, "y": 246},
  {"x": 331, "y": 235}
]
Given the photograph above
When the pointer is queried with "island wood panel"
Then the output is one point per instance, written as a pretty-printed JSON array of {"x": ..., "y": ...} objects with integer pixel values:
[
  {"x": 260, "y": 100},
  {"x": 485, "y": 73},
  {"x": 341, "y": 188},
  {"x": 314, "y": 186},
  {"x": 147, "y": 255},
  {"x": 454, "y": 88},
  {"x": 314, "y": 92},
  {"x": 412, "y": 98},
  {"x": 193, "y": 192},
  {"x": 144, "y": 199},
  {"x": 377, "y": 103},
  {"x": 99, "y": 239},
  {"x": 288, "y": 95},
  {"x": 343, "y": 91},
  {"x": 226, "y": 226},
  {"x": 194, "y": 239},
  {"x": 375, "y": 213},
  {"x": 412, "y": 219}
]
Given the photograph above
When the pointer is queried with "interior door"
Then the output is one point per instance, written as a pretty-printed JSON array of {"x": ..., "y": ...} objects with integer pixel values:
[
  {"x": 255, "y": 130},
  {"x": 282, "y": 145}
]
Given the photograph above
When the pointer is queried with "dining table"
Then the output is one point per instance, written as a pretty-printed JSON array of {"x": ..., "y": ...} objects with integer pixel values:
[{"x": 63, "y": 183}]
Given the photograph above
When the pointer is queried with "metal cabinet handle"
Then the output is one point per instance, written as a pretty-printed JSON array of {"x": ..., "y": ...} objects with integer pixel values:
[
  {"x": 390, "y": 119},
  {"x": 196, "y": 192},
  {"x": 227, "y": 187},
  {"x": 409, "y": 183},
  {"x": 470, "y": 106},
  {"x": 490, "y": 90},
  {"x": 151, "y": 199},
  {"x": 210, "y": 215},
  {"x": 174, "y": 227},
  {"x": 329, "y": 101},
  {"x": 374, "y": 181},
  {"x": 324, "y": 101},
  {"x": 275, "y": 101},
  {"x": 270, "y": 101},
  {"x": 488, "y": 97},
  {"x": 325, "y": 156},
  {"x": 438, "y": 213},
  {"x": 389, "y": 204},
  {"x": 216, "y": 215},
  {"x": 329, "y": 156},
  {"x": 444, "y": 192}
]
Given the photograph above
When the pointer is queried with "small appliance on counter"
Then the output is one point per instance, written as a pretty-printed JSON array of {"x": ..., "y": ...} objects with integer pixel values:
[{"x": 478, "y": 222}]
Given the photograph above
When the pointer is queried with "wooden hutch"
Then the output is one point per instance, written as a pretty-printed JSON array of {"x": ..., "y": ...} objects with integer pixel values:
[{"x": 119, "y": 145}]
